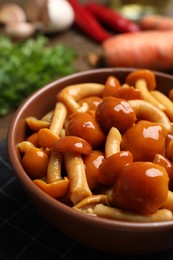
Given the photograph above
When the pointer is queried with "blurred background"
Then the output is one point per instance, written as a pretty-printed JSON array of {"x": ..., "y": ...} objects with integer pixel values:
[
  {"x": 168, "y": 4},
  {"x": 83, "y": 44}
]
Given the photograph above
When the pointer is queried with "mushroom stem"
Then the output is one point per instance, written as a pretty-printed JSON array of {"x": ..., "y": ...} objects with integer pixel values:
[
  {"x": 112, "y": 144},
  {"x": 73, "y": 93},
  {"x": 35, "y": 124},
  {"x": 24, "y": 146},
  {"x": 144, "y": 80},
  {"x": 117, "y": 214},
  {"x": 142, "y": 86},
  {"x": 79, "y": 188},
  {"x": 47, "y": 137},
  {"x": 54, "y": 167},
  {"x": 145, "y": 110},
  {"x": 87, "y": 205},
  {"x": 58, "y": 118},
  {"x": 167, "y": 103},
  {"x": 168, "y": 204}
]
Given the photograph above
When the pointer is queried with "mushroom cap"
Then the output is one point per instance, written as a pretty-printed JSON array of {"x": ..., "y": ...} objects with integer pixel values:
[
  {"x": 110, "y": 169},
  {"x": 144, "y": 74},
  {"x": 72, "y": 144},
  {"x": 138, "y": 186}
]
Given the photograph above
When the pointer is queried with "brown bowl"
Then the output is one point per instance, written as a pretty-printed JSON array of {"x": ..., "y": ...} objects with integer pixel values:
[{"x": 102, "y": 234}]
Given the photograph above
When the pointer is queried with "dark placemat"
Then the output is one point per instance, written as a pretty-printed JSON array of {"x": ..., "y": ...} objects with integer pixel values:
[{"x": 26, "y": 235}]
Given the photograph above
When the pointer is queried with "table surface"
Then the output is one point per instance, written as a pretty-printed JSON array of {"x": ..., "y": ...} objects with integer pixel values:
[{"x": 22, "y": 229}]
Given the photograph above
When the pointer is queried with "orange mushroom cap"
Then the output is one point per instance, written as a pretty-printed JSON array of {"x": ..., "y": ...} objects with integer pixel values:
[
  {"x": 144, "y": 74},
  {"x": 72, "y": 144}
]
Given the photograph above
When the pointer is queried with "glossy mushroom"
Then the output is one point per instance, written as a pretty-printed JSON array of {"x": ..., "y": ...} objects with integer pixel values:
[
  {"x": 144, "y": 140},
  {"x": 114, "y": 112},
  {"x": 142, "y": 187},
  {"x": 84, "y": 125},
  {"x": 144, "y": 80},
  {"x": 72, "y": 94}
]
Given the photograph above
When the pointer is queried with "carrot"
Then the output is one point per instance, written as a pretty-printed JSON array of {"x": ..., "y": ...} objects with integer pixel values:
[
  {"x": 156, "y": 22},
  {"x": 147, "y": 49}
]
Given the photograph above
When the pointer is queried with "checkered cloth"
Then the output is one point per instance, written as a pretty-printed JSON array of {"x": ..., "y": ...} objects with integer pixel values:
[{"x": 26, "y": 235}]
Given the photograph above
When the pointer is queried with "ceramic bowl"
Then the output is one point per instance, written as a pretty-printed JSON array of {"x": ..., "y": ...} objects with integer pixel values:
[{"x": 107, "y": 235}]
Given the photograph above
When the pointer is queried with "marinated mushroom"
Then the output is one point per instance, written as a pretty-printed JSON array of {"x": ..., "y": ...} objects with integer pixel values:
[
  {"x": 47, "y": 137},
  {"x": 72, "y": 94},
  {"x": 128, "y": 92},
  {"x": 35, "y": 162},
  {"x": 166, "y": 102},
  {"x": 168, "y": 204},
  {"x": 56, "y": 189},
  {"x": 33, "y": 138},
  {"x": 36, "y": 124},
  {"x": 58, "y": 118},
  {"x": 92, "y": 162},
  {"x": 115, "y": 159},
  {"x": 142, "y": 187},
  {"x": 145, "y": 110},
  {"x": 88, "y": 204},
  {"x": 112, "y": 84},
  {"x": 114, "y": 112},
  {"x": 105, "y": 211},
  {"x": 144, "y": 139},
  {"x": 144, "y": 80},
  {"x": 84, "y": 125},
  {"x": 89, "y": 103},
  {"x": 111, "y": 167},
  {"x": 113, "y": 141},
  {"x": 72, "y": 144},
  {"x": 167, "y": 164},
  {"x": 54, "y": 168},
  {"x": 25, "y": 145},
  {"x": 78, "y": 187},
  {"x": 147, "y": 76}
]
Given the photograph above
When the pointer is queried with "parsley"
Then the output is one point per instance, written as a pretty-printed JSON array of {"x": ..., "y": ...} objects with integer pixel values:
[{"x": 29, "y": 65}]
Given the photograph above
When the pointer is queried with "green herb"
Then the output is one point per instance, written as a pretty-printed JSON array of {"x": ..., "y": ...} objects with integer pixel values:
[{"x": 29, "y": 65}]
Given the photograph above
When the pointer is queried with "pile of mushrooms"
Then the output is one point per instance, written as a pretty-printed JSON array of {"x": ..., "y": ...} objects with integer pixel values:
[{"x": 47, "y": 16}]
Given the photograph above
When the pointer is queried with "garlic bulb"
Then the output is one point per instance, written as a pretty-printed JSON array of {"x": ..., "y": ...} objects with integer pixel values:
[
  {"x": 61, "y": 15},
  {"x": 10, "y": 13},
  {"x": 14, "y": 21},
  {"x": 50, "y": 15},
  {"x": 22, "y": 30}
]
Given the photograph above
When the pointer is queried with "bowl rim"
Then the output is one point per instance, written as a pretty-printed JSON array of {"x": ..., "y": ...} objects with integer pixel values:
[{"x": 28, "y": 184}]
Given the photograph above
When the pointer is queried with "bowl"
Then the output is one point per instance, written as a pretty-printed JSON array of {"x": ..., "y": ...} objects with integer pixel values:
[{"x": 102, "y": 234}]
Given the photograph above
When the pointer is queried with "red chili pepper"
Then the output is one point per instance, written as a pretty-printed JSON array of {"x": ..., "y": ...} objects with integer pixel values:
[
  {"x": 112, "y": 18},
  {"x": 86, "y": 22}
]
